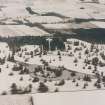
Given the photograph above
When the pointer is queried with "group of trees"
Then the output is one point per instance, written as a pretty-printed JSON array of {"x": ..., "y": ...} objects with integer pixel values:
[
  {"x": 11, "y": 57},
  {"x": 20, "y": 90},
  {"x": 17, "y": 42},
  {"x": 22, "y": 69},
  {"x": 28, "y": 89},
  {"x": 2, "y": 60},
  {"x": 47, "y": 71}
]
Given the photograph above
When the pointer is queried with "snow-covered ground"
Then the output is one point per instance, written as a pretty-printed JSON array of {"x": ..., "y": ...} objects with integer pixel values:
[
  {"x": 58, "y": 10},
  {"x": 12, "y": 72},
  {"x": 99, "y": 24},
  {"x": 81, "y": 53},
  {"x": 20, "y": 30},
  {"x": 69, "y": 8},
  {"x": 72, "y": 98},
  {"x": 62, "y": 98},
  {"x": 57, "y": 26},
  {"x": 15, "y": 100},
  {"x": 83, "y": 63},
  {"x": 44, "y": 19}
]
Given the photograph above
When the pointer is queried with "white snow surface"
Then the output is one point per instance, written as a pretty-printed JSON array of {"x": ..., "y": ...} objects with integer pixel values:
[
  {"x": 99, "y": 24},
  {"x": 15, "y": 100},
  {"x": 71, "y": 98},
  {"x": 20, "y": 30}
]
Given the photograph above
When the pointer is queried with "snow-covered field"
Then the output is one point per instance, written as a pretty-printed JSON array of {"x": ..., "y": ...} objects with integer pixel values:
[
  {"x": 20, "y": 30},
  {"x": 62, "y": 98},
  {"x": 70, "y": 8},
  {"x": 44, "y": 19},
  {"x": 73, "y": 76},
  {"x": 72, "y": 98},
  {"x": 99, "y": 24},
  {"x": 67, "y": 8},
  {"x": 79, "y": 67},
  {"x": 51, "y": 14},
  {"x": 15, "y": 100}
]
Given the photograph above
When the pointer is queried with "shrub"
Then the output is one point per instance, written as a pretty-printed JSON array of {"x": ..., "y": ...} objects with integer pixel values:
[
  {"x": 0, "y": 69},
  {"x": 84, "y": 86},
  {"x": 103, "y": 79},
  {"x": 77, "y": 84},
  {"x": 73, "y": 80},
  {"x": 87, "y": 78},
  {"x": 75, "y": 60},
  {"x": 11, "y": 74},
  {"x": 21, "y": 78},
  {"x": 4, "y": 93},
  {"x": 56, "y": 90},
  {"x": 36, "y": 79},
  {"x": 76, "y": 43},
  {"x": 101, "y": 64},
  {"x": 95, "y": 61},
  {"x": 89, "y": 67},
  {"x": 14, "y": 88},
  {"x": 58, "y": 73},
  {"x": 98, "y": 86},
  {"x": 73, "y": 74},
  {"x": 82, "y": 8},
  {"x": 42, "y": 88},
  {"x": 61, "y": 82},
  {"x": 86, "y": 51}
]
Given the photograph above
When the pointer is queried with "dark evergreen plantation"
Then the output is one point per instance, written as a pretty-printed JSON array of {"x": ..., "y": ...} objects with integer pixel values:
[
  {"x": 94, "y": 35},
  {"x": 16, "y": 42}
]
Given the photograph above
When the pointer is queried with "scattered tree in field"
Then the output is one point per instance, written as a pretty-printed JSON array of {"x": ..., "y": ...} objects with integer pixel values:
[
  {"x": 10, "y": 74},
  {"x": 77, "y": 84},
  {"x": 95, "y": 61},
  {"x": 87, "y": 78},
  {"x": 74, "y": 80},
  {"x": 2, "y": 61},
  {"x": 11, "y": 58},
  {"x": 86, "y": 51},
  {"x": 103, "y": 79},
  {"x": 32, "y": 54},
  {"x": 85, "y": 85},
  {"x": 4, "y": 93},
  {"x": 58, "y": 73},
  {"x": 21, "y": 78},
  {"x": 73, "y": 74},
  {"x": 36, "y": 79},
  {"x": 14, "y": 88},
  {"x": 17, "y": 68},
  {"x": 76, "y": 43},
  {"x": 75, "y": 60},
  {"x": 98, "y": 85},
  {"x": 60, "y": 83},
  {"x": 59, "y": 53},
  {"x": 56, "y": 90}
]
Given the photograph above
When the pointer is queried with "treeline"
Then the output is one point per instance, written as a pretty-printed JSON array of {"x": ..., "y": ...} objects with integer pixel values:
[{"x": 17, "y": 42}]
